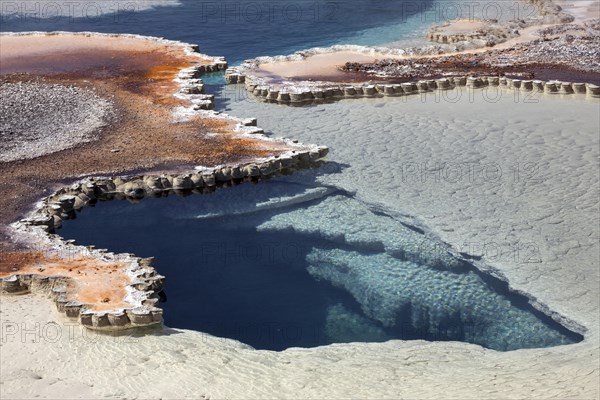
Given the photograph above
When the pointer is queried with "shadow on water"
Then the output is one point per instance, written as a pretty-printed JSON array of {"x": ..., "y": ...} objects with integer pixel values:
[{"x": 231, "y": 274}]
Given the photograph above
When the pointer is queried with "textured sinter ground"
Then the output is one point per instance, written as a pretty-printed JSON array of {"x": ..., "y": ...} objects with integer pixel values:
[{"x": 130, "y": 79}]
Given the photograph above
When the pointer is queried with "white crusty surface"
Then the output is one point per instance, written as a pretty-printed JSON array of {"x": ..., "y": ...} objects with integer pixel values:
[{"x": 180, "y": 364}]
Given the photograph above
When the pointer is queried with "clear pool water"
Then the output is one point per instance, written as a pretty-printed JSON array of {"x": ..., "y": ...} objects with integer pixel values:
[{"x": 282, "y": 264}]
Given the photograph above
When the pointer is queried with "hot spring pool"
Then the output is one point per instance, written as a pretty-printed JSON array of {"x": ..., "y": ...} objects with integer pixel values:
[{"x": 281, "y": 264}]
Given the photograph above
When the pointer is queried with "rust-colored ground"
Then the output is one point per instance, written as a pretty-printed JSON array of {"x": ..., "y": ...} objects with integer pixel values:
[
  {"x": 100, "y": 285},
  {"x": 464, "y": 65},
  {"x": 139, "y": 74}
]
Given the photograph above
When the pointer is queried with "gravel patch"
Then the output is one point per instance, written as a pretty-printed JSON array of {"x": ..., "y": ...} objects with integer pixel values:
[
  {"x": 572, "y": 46},
  {"x": 39, "y": 118}
]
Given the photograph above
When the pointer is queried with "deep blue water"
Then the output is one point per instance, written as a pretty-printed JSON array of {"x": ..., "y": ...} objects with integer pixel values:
[
  {"x": 242, "y": 29},
  {"x": 233, "y": 270},
  {"x": 227, "y": 279}
]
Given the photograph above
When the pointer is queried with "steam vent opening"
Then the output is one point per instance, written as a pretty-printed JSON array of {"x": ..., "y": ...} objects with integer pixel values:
[{"x": 281, "y": 264}]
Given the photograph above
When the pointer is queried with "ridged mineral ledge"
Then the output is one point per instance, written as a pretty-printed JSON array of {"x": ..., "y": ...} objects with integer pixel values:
[{"x": 301, "y": 93}]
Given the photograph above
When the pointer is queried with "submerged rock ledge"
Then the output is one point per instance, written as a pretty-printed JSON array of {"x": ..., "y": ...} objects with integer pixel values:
[{"x": 108, "y": 291}]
